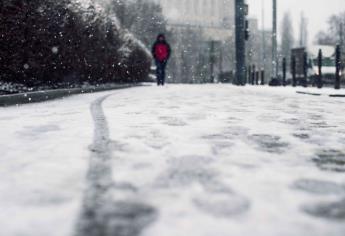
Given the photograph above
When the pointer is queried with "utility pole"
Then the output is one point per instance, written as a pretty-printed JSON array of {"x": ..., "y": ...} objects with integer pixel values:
[
  {"x": 212, "y": 60},
  {"x": 274, "y": 43},
  {"x": 263, "y": 35},
  {"x": 341, "y": 41},
  {"x": 274, "y": 80},
  {"x": 240, "y": 42}
]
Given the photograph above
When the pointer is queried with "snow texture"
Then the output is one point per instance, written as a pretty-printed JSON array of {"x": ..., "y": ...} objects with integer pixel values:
[{"x": 201, "y": 160}]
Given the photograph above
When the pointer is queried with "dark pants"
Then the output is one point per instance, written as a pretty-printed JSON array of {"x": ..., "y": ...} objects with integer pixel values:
[{"x": 160, "y": 72}]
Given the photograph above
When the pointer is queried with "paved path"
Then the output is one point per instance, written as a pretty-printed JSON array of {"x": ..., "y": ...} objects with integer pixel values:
[{"x": 203, "y": 160}]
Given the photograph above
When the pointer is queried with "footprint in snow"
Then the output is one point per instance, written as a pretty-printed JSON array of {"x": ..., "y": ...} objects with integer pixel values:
[
  {"x": 269, "y": 143},
  {"x": 319, "y": 187},
  {"x": 302, "y": 136},
  {"x": 329, "y": 210},
  {"x": 330, "y": 160},
  {"x": 175, "y": 122},
  {"x": 217, "y": 199}
]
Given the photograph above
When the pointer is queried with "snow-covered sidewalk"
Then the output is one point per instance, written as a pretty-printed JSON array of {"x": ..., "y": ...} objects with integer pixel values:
[
  {"x": 330, "y": 92},
  {"x": 196, "y": 160}
]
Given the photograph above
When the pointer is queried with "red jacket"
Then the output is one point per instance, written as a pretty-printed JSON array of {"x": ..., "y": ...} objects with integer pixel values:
[{"x": 161, "y": 51}]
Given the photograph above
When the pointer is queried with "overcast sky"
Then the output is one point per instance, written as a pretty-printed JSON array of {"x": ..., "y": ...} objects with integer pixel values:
[{"x": 317, "y": 12}]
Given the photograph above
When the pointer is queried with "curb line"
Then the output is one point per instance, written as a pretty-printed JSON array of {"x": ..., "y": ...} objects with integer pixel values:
[
  {"x": 319, "y": 94},
  {"x": 307, "y": 93},
  {"x": 337, "y": 95},
  {"x": 41, "y": 96}
]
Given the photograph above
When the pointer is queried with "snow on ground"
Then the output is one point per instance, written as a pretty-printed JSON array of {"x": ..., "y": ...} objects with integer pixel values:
[
  {"x": 44, "y": 157},
  {"x": 201, "y": 160}
]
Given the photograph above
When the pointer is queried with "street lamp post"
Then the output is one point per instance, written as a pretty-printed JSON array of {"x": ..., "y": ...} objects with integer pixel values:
[
  {"x": 263, "y": 38},
  {"x": 275, "y": 79},
  {"x": 212, "y": 60},
  {"x": 274, "y": 40},
  {"x": 240, "y": 43}
]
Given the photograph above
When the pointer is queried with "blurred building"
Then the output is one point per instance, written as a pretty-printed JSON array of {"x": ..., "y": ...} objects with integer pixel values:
[
  {"x": 215, "y": 17},
  {"x": 202, "y": 39},
  {"x": 254, "y": 44}
]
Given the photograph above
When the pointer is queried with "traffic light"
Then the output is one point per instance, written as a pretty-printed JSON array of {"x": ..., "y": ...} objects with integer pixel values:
[
  {"x": 247, "y": 31},
  {"x": 246, "y": 9}
]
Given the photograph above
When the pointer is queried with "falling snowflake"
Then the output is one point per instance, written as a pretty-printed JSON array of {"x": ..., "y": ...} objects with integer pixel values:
[{"x": 55, "y": 50}]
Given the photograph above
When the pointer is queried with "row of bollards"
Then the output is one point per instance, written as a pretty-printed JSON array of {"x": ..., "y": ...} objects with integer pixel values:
[
  {"x": 318, "y": 79},
  {"x": 299, "y": 75},
  {"x": 254, "y": 76}
]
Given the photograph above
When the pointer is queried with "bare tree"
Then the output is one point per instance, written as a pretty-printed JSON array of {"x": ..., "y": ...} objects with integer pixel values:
[
  {"x": 324, "y": 38},
  {"x": 335, "y": 33},
  {"x": 303, "y": 33}
]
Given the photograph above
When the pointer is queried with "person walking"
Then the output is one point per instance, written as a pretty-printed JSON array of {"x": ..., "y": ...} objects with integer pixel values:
[{"x": 161, "y": 53}]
